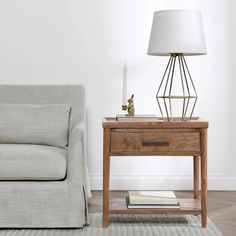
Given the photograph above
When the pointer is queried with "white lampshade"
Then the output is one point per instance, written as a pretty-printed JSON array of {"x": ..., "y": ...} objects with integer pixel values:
[{"x": 177, "y": 31}]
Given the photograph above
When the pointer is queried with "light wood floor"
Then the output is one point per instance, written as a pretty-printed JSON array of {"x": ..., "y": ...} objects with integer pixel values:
[{"x": 221, "y": 207}]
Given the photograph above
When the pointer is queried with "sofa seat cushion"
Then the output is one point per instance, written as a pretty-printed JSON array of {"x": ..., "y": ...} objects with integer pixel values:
[{"x": 32, "y": 162}]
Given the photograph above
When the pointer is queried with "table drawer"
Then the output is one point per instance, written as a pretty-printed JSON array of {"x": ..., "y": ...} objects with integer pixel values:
[{"x": 154, "y": 142}]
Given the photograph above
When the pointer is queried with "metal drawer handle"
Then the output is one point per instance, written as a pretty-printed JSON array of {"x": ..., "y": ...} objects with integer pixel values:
[{"x": 155, "y": 143}]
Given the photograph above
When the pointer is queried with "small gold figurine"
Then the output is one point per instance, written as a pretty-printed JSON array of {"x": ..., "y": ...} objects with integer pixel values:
[{"x": 130, "y": 107}]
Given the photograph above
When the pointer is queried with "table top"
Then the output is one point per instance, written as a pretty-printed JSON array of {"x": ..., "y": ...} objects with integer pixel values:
[{"x": 130, "y": 122}]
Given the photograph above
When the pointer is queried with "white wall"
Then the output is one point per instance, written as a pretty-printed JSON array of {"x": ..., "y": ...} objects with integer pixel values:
[{"x": 87, "y": 42}]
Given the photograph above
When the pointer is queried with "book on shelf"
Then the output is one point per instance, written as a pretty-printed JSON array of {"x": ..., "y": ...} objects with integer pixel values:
[
  {"x": 138, "y": 118},
  {"x": 152, "y": 197},
  {"x": 151, "y": 206}
]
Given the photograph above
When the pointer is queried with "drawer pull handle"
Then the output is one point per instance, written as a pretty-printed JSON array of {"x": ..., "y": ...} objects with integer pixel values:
[{"x": 156, "y": 143}]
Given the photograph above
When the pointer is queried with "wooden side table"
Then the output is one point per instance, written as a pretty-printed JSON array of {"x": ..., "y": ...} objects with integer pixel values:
[{"x": 148, "y": 138}]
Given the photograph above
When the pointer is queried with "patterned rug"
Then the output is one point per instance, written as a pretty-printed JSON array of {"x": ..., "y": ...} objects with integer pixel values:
[{"x": 131, "y": 225}]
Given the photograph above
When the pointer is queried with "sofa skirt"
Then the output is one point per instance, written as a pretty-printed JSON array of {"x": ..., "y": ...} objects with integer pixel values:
[{"x": 42, "y": 204}]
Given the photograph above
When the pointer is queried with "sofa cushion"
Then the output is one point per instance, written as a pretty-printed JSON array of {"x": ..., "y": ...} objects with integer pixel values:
[
  {"x": 32, "y": 162},
  {"x": 35, "y": 124}
]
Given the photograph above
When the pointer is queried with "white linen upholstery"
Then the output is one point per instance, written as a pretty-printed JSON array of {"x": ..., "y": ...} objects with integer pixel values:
[
  {"x": 32, "y": 162},
  {"x": 55, "y": 203},
  {"x": 42, "y": 204},
  {"x": 35, "y": 124},
  {"x": 47, "y": 94}
]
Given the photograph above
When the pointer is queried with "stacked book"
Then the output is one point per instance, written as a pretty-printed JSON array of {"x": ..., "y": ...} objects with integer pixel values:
[{"x": 152, "y": 200}]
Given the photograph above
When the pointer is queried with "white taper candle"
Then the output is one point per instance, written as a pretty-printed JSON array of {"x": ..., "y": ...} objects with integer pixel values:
[{"x": 124, "y": 85}]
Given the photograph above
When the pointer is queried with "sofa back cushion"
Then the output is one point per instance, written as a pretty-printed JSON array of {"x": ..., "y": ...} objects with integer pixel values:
[
  {"x": 73, "y": 94},
  {"x": 35, "y": 124}
]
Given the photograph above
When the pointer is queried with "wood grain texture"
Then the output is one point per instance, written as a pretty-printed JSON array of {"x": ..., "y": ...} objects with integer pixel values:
[
  {"x": 196, "y": 177},
  {"x": 159, "y": 153},
  {"x": 135, "y": 142},
  {"x": 161, "y": 131},
  {"x": 187, "y": 206},
  {"x": 106, "y": 175},
  {"x": 180, "y": 138},
  {"x": 203, "y": 137},
  {"x": 110, "y": 122}
]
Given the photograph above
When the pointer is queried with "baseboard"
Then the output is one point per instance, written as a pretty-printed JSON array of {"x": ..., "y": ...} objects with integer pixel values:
[{"x": 162, "y": 182}]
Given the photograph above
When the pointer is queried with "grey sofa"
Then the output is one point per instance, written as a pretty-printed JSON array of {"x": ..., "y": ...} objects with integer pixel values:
[{"x": 43, "y": 172}]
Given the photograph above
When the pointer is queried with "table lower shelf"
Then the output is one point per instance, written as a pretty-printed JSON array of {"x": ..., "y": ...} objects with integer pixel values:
[{"x": 187, "y": 206}]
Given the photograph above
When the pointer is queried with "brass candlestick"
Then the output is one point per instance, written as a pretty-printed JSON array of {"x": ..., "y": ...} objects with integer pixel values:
[{"x": 130, "y": 107}]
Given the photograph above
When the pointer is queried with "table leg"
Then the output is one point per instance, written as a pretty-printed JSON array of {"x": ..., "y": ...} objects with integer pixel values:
[
  {"x": 196, "y": 177},
  {"x": 204, "y": 177},
  {"x": 106, "y": 175}
]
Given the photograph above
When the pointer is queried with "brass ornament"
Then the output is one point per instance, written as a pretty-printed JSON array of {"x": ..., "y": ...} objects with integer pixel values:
[{"x": 130, "y": 107}]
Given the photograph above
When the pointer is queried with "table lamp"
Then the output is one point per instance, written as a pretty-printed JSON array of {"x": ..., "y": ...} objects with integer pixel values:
[{"x": 177, "y": 33}]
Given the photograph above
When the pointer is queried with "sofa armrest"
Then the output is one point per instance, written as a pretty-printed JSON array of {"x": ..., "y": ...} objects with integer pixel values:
[{"x": 77, "y": 170}]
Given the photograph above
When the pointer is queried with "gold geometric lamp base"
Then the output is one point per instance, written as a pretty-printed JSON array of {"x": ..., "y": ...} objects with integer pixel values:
[{"x": 176, "y": 95}]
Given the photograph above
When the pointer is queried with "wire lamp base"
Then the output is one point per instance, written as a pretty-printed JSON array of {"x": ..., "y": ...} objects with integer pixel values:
[{"x": 176, "y": 95}]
